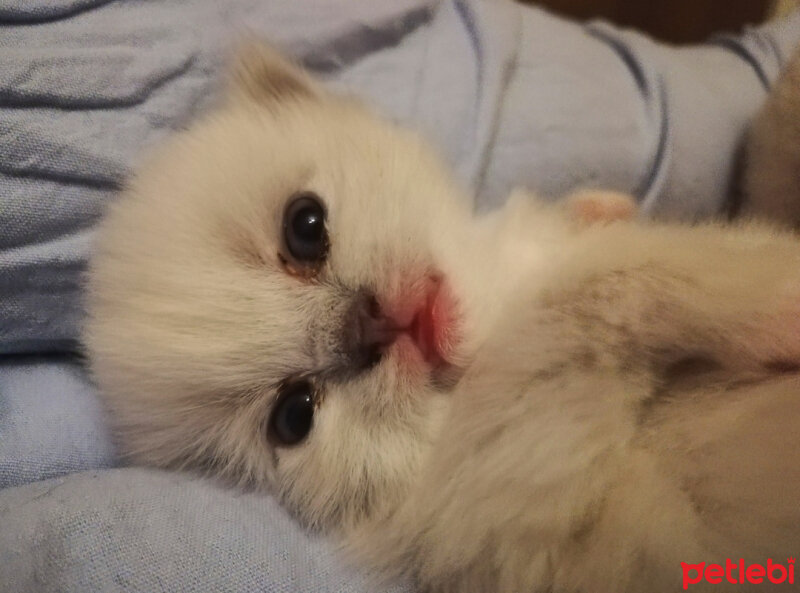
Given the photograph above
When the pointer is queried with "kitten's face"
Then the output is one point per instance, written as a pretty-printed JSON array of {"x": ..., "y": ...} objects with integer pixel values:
[{"x": 282, "y": 296}]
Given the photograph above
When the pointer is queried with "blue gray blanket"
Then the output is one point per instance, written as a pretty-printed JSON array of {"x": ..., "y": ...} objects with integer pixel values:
[{"x": 510, "y": 94}]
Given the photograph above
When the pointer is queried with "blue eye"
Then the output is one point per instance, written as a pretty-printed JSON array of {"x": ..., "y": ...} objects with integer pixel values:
[
  {"x": 293, "y": 415},
  {"x": 304, "y": 231}
]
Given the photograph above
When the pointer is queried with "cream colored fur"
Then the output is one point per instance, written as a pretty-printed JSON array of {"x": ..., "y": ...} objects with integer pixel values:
[{"x": 624, "y": 397}]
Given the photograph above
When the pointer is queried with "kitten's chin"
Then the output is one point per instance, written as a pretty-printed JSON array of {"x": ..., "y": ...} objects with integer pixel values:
[{"x": 446, "y": 377}]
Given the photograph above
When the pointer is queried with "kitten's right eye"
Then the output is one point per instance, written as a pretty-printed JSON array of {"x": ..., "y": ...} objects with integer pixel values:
[
  {"x": 293, "y": 415},
  {"x": 304, "y": 232}
]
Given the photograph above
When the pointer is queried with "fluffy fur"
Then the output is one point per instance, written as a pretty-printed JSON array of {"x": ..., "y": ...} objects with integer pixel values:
[{"x": 618, "y": 398}]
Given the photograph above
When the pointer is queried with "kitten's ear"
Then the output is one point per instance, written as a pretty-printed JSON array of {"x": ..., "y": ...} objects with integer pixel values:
[{"x": 261, "y": 74}]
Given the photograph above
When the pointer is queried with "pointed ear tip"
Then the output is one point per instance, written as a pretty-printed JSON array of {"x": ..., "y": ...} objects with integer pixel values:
[
  {"x": 251, "y": 49},
  {"x": 261, "y": 71}
]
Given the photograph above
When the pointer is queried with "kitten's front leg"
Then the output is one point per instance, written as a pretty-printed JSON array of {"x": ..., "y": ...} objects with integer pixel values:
[
  {"x": 586, "y": 207},
  {"x": 596, "y": 206}
]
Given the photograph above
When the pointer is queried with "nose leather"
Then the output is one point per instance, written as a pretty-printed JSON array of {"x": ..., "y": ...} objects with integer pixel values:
[{"x": 366, "y": 332}]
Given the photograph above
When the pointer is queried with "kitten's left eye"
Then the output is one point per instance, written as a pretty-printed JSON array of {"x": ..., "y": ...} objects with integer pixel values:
[{"x": 304, "y": 231}]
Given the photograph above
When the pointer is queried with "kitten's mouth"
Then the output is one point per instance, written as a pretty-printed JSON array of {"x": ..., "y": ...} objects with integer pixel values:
[
  {"x": 433, "y": 326},
  {"x": 416, "y": 326},
  {"x": 426, "y": 321}
]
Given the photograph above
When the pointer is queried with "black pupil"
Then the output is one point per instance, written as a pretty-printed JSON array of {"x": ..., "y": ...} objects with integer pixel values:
[
  {"x": 304, "y": 228},
  {"x": 308, "y": 224},
  {"x": 294, "y": 414}
]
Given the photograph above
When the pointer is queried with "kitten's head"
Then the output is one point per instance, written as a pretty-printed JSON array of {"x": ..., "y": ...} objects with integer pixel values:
[{"x": 282, "y": 295}]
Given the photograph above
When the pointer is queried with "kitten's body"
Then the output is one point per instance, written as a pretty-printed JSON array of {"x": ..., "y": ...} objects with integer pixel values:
[
  {"x": 631, "y": 411},
  {"x": 605, "y": 402}
]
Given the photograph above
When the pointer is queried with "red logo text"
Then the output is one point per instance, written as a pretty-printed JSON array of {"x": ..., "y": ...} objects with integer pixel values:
[{"x": 734, "y": 572}]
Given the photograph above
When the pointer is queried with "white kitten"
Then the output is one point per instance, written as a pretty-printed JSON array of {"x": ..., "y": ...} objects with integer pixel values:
[{"x": 295, "y": 295}]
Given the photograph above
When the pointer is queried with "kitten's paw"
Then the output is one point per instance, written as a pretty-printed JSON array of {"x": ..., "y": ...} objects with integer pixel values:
[{"x": 590, "y": 206}]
